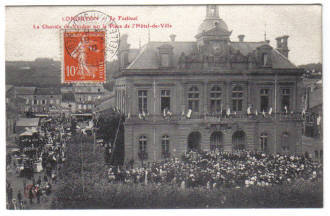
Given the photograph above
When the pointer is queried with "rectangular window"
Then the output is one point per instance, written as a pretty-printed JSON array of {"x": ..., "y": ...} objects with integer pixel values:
[
  {"x": 237, "y": 98},
  {"x": 142, "y": 97},
  {"x": 165, "y": 100},
  {"x": 264, "y": 100},
  {"x": 43, "y": 101},
  {"x": 215, "y": 99},
  {"x": 193, "y": 99},
  {"x": 285, "y": 100},
  {"x": 237, "y": 105}
]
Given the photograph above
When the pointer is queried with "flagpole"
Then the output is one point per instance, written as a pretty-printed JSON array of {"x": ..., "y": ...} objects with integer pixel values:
[
  {"x": 275, "y": 146},
  {"x": 154, "y": 113}
]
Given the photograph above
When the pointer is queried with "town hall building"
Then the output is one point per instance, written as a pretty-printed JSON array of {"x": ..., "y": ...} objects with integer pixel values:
[{"x": 209, "y": 94}]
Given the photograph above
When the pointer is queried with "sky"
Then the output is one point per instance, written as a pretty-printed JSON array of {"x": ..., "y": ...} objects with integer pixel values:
[{"x": 303, "y": 23}]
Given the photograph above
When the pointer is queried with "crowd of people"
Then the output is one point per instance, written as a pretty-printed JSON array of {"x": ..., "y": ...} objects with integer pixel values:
[
  {"x": 53, "y": 137},
  {"x": 222, "y": 169}
]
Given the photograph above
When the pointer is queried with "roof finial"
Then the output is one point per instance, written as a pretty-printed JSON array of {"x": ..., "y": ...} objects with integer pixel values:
[
  {"x": 265, "y": 34},
  {"x": 148, "y": 35},
  {"x": 212, "y": 12}
]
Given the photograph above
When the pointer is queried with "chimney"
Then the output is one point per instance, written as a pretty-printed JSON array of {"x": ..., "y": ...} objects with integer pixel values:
[
  {"x": 278, "y": 42},
  {"x": 241, "y": 38},
  {"x": 282, "y": 45},
  {"x": 172, "y": 37},
  {"x": 285, "y": 41}
]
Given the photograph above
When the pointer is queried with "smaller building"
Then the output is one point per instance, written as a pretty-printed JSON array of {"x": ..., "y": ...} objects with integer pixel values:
[
  {"x": 46, "y": 100},
  {"x": 313, "y": 105},
  {"x": 87, "y": 95},
  {"x": 23, "y": 124},
  {"x": 27, "y": 93},
  {"x": 106, "y": 105},
  {"x": 313, "y": 124},
  {"x": 14, "y": 109},
  {"x": 68, "y": 103}
]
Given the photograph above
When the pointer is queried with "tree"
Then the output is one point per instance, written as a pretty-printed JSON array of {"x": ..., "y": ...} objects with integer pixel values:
[{"x": 108, "y": 125}]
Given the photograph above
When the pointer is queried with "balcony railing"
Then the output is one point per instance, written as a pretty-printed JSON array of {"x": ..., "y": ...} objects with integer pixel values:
[{"x": 223, "y": 117}]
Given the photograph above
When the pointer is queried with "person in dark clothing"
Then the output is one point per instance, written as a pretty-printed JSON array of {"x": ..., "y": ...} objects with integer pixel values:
[
  {"x": 38, "y": 194},
  {"x": 31, "y": 195},
  {"x": 19, "y": 199},
  {"x": 19, "y": 196},
  {"x": 48, "y": 189},
  {"x": 39, "y": 181},
  {"x": 10, "y": 193},
  {"x": 24, "y": 183},
  {"x": 45, "y": 178}
]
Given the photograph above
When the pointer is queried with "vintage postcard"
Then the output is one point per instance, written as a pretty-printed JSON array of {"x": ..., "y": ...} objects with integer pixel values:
[{"x": 164, "y": 107}]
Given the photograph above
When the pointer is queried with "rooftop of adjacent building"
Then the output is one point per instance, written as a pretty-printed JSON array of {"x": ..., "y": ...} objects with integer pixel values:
[
  {"x": 47, "y": 91},
  {"x": 27, "y": 122}
]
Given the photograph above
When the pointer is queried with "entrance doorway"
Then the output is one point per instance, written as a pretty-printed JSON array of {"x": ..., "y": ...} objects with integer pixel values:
[
  {"x": 194, "y": 140},
  {"x": 216, "y": 141},
  {"x": 238, "y": 140}
]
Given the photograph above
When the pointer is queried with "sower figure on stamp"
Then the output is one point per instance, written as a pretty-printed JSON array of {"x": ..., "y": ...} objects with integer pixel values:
[{"x": 80, "y": 52}]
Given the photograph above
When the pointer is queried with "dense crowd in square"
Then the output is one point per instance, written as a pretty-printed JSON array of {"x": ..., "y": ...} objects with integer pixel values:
[
  {"x": 223, "y": 169},
  {"x": 37, "y": 163}
]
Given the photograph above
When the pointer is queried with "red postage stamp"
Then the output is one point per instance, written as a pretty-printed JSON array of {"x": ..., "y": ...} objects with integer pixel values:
[{"x": 84, "y": 56}]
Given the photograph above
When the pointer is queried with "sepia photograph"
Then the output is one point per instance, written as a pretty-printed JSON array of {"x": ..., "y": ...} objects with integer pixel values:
[{"x": 163, "y": 107}]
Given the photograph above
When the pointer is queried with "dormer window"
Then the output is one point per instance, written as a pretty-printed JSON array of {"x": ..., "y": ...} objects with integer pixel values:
[
  {"x": 265, "y": 59},
  {"x": 165, "y": 55},
  {"x": 264, "y": 56},
  {"x": 124, "y": 59},
  {"x": 164, "y": 60}
]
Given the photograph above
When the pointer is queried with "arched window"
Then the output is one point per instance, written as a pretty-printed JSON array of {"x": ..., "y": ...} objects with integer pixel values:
[
  {"x": 237, "y": 97},
  {"x": 216, "y": 141},
  {"x": 142, "y": 153},
  {"x": 165, "y": 146},
  {"x": 285, "y": 142},
  {"x": 316, "y": 155},
  {"x": 193, "y": 99},
  {"x": 143, "y": 144},
  {"x": 215, "y": 99},
  {"x": 238, "y": 140},
  {"x": 264, "y": 142}
]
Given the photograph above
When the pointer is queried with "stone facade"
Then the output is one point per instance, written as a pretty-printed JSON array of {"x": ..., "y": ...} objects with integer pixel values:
[{"x": 212, "y": 93}]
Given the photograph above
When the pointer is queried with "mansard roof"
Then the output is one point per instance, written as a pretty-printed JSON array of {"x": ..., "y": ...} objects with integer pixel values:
[
  {"x": 148, "y": 57},
  {"x": 279, "y": 61}
]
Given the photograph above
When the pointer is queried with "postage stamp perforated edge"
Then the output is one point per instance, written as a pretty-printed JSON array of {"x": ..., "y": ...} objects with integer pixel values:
[{"x": 62, "y": 53}]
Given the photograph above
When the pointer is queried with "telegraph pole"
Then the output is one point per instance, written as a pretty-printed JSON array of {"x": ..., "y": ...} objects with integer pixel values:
[
  {"x": 275, "y": 135},
  {"x": 94, "y": 138},
  {"x": 82, "y": 166}
]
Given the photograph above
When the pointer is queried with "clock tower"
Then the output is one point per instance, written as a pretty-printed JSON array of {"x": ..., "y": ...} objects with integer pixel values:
[{"x": 213, "y": 36}]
